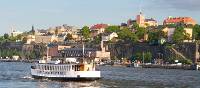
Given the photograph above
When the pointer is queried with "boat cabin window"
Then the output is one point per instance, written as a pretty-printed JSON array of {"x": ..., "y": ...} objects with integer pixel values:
[
  {"x": 76, "y": 67},
  {"x": 45, "y": 67},
  {"x": 33, "y": 67}
]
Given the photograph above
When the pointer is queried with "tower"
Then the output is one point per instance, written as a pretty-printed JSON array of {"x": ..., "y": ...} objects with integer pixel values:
[{"x": 140, "y": 19}]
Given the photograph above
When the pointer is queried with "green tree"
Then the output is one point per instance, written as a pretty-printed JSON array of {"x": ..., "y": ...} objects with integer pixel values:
[
  {"x": 135, "y": 26},
  {"x": 127, "y": 35},
  {"x": 11, "y": 38},
  {"x": 196, "y": 32},
  {"x": 86, "y": 32},
  {"x": 171, "y": 25},
  {"x": 156, "y": 35},
  {"x": 113, "y": 29},
  {"x": 141, "y": 32},
  {"x": 6, "y": 36},
  {"x": 179, "y": 34},
  {"x": 33, "y": 55},
  {"x": 147, "y": 57},
  {"x": 138, "y": 56},
  {"x": 97, "y": 39},
  {"x": 19, "y": 37},
  {"x": 153, "y": 35},
  {"x": 1, "y": 38}
]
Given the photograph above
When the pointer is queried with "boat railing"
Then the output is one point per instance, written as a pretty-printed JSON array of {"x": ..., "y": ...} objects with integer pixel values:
[{"x": 57, "y": 69}]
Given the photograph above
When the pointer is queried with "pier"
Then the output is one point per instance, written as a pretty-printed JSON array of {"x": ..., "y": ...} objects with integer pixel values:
[{"x": 170, "y": 66}]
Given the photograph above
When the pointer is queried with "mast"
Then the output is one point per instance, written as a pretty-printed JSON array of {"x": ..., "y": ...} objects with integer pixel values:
[
  {"x": 83, "y": 51},
  {"x": 143, "y": 57},
  {"x": 47, "y": 51}
]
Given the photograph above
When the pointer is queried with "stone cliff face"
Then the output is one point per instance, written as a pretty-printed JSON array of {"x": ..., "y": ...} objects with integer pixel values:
[
  {"x": 182, "y": 51},
  {"x": 188, "y": 50},
  {"x": 128, "y": 50}
]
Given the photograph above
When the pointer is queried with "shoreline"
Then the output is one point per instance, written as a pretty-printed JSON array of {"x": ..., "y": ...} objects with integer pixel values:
[
  {"x": 169, "y": 66},
  {"x": 166, "y": 66},
  {"x": 161, "y": 66},
  {"x": 10, "y": 60}
]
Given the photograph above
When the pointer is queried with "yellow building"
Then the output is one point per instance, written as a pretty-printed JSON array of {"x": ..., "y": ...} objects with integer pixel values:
[{"x": 45, "y": 39}]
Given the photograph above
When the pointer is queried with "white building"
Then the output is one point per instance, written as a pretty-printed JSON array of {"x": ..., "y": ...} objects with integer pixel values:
[
  {"x": 15, "y": 33},
  {"x": 109, "y": 36}
]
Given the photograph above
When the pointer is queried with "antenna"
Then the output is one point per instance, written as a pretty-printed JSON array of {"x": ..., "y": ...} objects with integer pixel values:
[{"x": 12, "y": 30}]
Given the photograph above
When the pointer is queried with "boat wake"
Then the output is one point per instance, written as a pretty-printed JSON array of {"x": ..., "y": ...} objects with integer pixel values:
[{"x": 28, "y": 77}]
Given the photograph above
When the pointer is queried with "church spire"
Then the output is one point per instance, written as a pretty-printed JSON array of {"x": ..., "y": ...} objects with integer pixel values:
[
  {"x": 140, "y": 7},
  {"x": 33, "y": 27},
  {"x": 33, "y": 30}
]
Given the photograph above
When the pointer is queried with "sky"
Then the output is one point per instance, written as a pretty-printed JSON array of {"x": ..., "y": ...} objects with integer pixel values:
[{"x": 22, "y": 14}]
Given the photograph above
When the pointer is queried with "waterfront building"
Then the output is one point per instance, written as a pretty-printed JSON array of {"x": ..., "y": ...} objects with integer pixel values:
[
  {"x": 99, "y": 55},
  {"x": 178, "y": 20},
  {"x": 77, "y": 52},
  {"x": 102, "y": 55},
  {"x": 89, "y": 53}
]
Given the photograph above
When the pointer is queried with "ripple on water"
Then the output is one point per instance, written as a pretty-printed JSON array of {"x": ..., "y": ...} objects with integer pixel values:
[{"x": 18, "y": 75}]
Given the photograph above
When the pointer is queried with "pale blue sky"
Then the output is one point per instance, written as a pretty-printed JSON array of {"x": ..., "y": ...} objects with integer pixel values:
[{"x": 22, "y": 14}]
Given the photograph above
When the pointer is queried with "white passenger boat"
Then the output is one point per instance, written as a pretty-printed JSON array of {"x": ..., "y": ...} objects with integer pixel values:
[{"x": 65, "y": 70}]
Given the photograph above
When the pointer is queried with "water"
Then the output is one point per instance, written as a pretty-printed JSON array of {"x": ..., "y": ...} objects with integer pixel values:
[{"x": 17, "y": 75}]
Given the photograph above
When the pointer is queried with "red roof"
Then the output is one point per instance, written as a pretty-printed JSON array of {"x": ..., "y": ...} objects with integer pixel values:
[
  {"x": 99, "y": 26},
  {"x": 180, "y": 19}
]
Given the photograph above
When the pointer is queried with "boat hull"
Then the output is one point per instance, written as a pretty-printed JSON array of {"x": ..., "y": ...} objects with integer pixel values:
[{"x": 66, "y": 78}]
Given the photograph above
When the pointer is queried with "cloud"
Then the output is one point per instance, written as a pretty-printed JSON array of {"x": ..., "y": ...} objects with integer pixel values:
[{"x": 193, "y": 5}]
